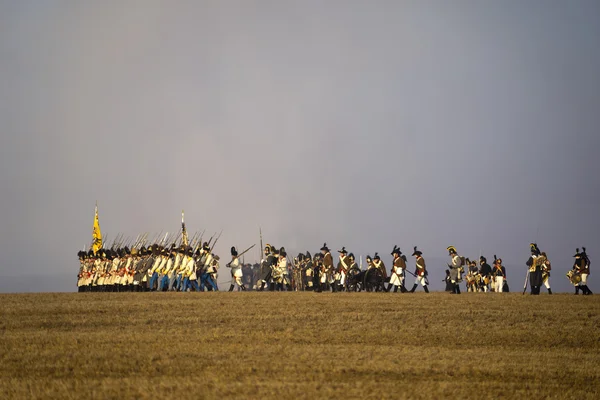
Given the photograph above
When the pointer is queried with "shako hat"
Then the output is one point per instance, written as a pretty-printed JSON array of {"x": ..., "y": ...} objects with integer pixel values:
[
  {"x": 451, "y": 249},
  {"x": 234, "y": 251},
  {"x": 534, "y": 249}
]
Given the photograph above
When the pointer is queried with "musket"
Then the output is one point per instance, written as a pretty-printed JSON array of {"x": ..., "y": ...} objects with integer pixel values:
[
  {"x": 261, "y": 242},
  {"x": 164, "y": 241},
  {"x": 201, "y": 236},
  {"x": 242, "y": 253},
  {"x": 211, "y": 239},
  {"x": 112, "y": 246},
  {"x": 157, "y": 237},
  {"x": 216, "y": 240}
]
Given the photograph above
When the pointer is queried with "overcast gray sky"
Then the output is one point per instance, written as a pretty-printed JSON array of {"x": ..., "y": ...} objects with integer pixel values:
[{"x": 364, "y": 124}]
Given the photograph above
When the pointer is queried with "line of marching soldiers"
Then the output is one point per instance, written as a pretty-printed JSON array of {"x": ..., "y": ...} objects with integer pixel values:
[
  {"x": 156, "y": 268},
  {"x": 159, "y": 268}
]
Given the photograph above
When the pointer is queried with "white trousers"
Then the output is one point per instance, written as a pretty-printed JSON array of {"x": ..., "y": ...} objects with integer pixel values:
[
  {"x": 396, "y": 280},
  {"x": 583, "y": 280},
  {"x": 547, "y": 283},
  {"x": 422, "y": 280},
  {"x": 342, "y": 278},
  {"x": 498, "y": 282}
]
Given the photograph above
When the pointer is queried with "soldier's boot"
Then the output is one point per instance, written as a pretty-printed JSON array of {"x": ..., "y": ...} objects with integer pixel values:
[
  {"x": 549, "y": 291},
  {"x": 413, "y": 288},
  {"x": 426, "y": 289},
  {"x": 333, "y": 288},
  {"x": 231, "y": 288},
  {"x": 395, "y": 289},
  {"x": 288, "y": 287},
  {"x": 457, "y": 289},
  {"x": 262, "y": 286},
  {"x": 586, "y": 290},
  {"x": 272, "y": 287},
  {"x": 243, "y": 288},
  {"x": 576, "y": 289}
]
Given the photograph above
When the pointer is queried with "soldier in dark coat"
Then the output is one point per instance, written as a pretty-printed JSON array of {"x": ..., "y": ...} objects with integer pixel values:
[
  {"x": 420, "y": 271},
  {"x": 485, "y": 270},
  {"x": 266, "y": 266},
  {"x": 535, "y": 269},
  {"x": 327, "y": 268}
]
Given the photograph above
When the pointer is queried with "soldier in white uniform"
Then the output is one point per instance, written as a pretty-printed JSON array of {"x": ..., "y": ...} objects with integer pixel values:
[
  {"x": 236, "y": 271},
  {"x": 455, "y": 269},
  {"x": 397, "y": 271}
]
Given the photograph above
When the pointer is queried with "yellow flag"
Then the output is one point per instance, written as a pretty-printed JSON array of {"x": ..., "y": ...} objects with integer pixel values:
[
  {"x": 96, "y": 234},
  {"x": 184, "y": 235}
]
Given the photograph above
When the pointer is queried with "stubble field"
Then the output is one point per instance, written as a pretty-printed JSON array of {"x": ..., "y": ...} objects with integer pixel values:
[{"x": 298, "y": 345}]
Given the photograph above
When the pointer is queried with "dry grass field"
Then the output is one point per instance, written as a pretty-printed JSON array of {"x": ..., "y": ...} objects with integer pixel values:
[{"x": 298, "y": 345}]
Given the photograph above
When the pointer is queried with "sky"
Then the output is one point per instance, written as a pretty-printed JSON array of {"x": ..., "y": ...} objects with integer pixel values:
[{"x": 360, "y": 124}]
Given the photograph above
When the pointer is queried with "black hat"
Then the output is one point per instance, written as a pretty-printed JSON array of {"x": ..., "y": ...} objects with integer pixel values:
[
  {"x": 308, "y": 255},
  {"x": 416, "y": 252},
  {"x": 205, "y": 246},
  {"x": 577, "y": 253},
  {"x": 81, "y": 254},
  {"x": 351, "y": 255},
  {"x": 324, "y": 248},
  {"x": 234, "y": 251},
  {"x": 534, "y": 249},
  {"x": 343, "y": 250},
  {"x": 396, "y": 250},
  {"x": 451, "y": 249},
  {"x": 368, "y": 258},
  {"x": 376, "y": 257},
  {"x": 282, "y": 252},
  {"x": 482, "y": 259}
]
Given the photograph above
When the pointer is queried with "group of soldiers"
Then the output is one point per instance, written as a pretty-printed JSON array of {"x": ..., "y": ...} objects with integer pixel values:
[
  {"x": 153, "y": 268},
  {"x": 185, "y": 268}
]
